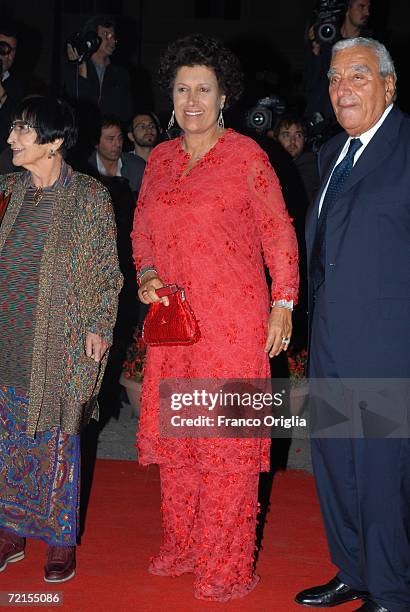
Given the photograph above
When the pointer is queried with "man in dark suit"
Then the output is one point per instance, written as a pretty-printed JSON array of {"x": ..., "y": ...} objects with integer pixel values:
[{"x": 358, "y": 244}]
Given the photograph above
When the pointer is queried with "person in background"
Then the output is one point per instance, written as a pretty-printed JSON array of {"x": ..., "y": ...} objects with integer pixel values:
[
  {"x": 96, "y": 86},
  {"x": 59, "y": 282},
  {"x": 291, "y": 132},
  {"x": 11, "y": 89},
  {"x": 98, "y": 81},
  {"x": 121, "y": 173},
  {"x": 319, "y": 53},
  {"x": 144, "y": 133},
  {"x": 209, "y": 205},
  {"x": 108, "y": 158}
]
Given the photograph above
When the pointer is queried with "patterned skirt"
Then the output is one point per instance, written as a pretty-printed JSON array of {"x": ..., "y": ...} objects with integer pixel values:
[{"x": 39, "y": 477}]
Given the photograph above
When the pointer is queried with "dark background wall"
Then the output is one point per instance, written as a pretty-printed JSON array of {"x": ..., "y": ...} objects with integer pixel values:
[{"x": 268, "y": 35}]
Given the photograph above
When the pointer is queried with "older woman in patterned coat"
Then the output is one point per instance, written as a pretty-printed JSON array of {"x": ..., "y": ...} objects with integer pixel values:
[{"x": 59, "y": 282}]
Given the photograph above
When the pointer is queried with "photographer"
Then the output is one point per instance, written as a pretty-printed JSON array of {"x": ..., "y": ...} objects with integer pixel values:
[
  {"x": 11, "y": 90},
  {"x": 353, "y": 24},
  {"x": 95, "y": 80}
]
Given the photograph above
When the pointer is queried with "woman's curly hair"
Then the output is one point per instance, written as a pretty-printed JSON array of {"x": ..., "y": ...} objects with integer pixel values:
[{"x": 200, "y": 50}]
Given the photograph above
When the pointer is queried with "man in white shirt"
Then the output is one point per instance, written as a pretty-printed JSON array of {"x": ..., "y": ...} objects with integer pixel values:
[{"x": 109, "y": 159}]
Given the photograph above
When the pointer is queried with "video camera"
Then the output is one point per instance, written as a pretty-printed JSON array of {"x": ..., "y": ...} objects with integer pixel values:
[
  {"x": 261, "y": 116},
  {"x": 85, "y": 44},
  {"x": 328, "y": 18},
  {"x": 320, "y": 129}
]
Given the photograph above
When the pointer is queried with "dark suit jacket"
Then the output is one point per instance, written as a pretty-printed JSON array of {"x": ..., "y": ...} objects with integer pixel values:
[
  {"x": 367, "y": 283},
  {"x": 115, "y": 96},
  {"x": 132, "y": 169}
]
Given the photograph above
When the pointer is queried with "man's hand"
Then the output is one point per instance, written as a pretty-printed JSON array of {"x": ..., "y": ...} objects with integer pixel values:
[
  {"x": 95, "y": 346},
  {"x": 279, "y": 327},
  {"x": 73, "y": 56},
  {"x": 313, "y": 42}
]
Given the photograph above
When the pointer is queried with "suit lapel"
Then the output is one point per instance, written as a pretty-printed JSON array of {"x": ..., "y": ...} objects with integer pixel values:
[{"x": 376, "y": 151}]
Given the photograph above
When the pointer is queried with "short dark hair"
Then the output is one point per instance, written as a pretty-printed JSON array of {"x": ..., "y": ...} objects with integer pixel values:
[
  {"x": 200, "y": 50},
  {"x": 52, "y": 117},
  {"x": 9, "y": 29},
  {"x": 147, "y": 114},
  {"x": 290, "y": 119},
  {"x": 109, "y": 120},
  {"x": 99, "y": 20}
]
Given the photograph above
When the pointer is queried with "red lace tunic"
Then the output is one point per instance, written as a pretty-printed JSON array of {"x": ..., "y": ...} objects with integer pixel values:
[{"x": 209, "y": 231}]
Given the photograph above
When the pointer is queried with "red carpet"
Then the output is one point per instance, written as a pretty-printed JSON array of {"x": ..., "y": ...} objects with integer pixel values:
[{"x": 123, "y": 531}]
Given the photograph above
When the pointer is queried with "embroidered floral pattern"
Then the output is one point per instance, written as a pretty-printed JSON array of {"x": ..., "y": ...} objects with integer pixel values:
[
  {"x": 38, "y": 477},
  {"x": 202, "y": 537},
  {"x": 209, "y": 230}
]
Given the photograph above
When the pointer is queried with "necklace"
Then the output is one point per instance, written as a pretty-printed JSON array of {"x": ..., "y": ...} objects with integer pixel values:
[{"x": 38, "y": 195}]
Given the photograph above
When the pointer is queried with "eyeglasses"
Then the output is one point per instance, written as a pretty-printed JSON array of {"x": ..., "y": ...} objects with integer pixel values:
[
  {"x": 21, "y": 126},
  {"x": 145, "y": 126}
]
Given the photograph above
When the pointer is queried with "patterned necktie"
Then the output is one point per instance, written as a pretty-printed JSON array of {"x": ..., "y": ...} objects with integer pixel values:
[{"x": 338, "y": 178}]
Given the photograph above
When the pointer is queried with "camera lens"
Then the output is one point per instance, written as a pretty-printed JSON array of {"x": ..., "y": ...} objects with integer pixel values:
[
  {"x": 258, "y": 119},
  {"x": 327, "y": 32}
]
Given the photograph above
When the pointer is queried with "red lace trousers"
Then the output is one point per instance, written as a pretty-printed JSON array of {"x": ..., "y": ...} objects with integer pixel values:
[{"x": 209, "y": 523}]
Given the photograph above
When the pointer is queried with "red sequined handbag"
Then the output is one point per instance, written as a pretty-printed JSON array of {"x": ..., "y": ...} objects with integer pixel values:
[{"x": 171, "y": 325}]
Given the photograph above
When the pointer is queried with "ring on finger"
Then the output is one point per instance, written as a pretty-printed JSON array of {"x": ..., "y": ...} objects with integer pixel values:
[{"x": 285, "y": 341}]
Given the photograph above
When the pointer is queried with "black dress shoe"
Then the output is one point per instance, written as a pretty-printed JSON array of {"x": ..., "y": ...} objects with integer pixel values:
[
  {"x": 371, "y": 606},
  {"x": 327, "y": 595}
]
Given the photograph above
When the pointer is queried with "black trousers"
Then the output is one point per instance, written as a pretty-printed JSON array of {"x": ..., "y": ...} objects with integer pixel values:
[{"x": 364, "y": 493}]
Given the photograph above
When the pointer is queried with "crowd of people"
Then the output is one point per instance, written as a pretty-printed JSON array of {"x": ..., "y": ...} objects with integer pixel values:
[{"x": 214, "y": 216}]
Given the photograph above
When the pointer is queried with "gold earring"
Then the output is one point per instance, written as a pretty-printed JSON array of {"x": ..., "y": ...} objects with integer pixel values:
[{"x": 51, "y": 153}]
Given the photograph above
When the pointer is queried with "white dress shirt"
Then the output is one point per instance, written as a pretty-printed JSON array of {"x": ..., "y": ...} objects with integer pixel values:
[
  {"x": 101, "y": 168},
  {"x": 365, "y": 138}
]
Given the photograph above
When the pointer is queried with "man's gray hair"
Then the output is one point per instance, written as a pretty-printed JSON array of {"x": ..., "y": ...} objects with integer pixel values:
[{"x": 386, "y": 65}]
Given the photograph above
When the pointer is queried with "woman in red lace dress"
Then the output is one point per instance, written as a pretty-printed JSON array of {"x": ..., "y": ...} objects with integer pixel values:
[{"x": 210, "y": 212}]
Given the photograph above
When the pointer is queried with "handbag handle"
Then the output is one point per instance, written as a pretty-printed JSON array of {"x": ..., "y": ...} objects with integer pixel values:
[{"x": 166, "y": 290}]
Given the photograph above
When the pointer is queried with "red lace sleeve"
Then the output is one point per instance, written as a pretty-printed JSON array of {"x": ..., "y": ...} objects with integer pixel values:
[
  {"x": 278, "y": 237},
  {"x": 141, "y": 236}
]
